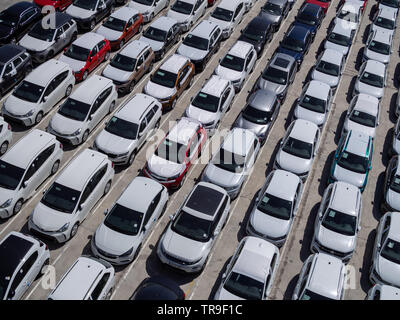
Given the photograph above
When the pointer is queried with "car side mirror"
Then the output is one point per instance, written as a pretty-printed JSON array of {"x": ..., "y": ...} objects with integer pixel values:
[
  {"x": 216, "y": 232},
  {"x": 45, "y": 99},
  {"x": 144, "y": 229},
  {"x": 91, "y": 117},
  {"x": 44, "y": 191},
  {"x": 25, "y": 184},
  {"x": 11, "y": 294},
  {"x": 378, "y": 245},
  {"x": 81, "y": 207},
  {"x": 295, "y": 296},
  {"x": 171, "y": 217},
  {"x": 106, "y": 212},
  {"x": 224, "y": 275}
]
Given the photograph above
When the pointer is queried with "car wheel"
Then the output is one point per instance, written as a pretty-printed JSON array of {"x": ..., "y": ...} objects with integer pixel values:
[
  {"x": 112, "y": 107},
  {"x": 107, "y": 187},
  {"x": 55, "y": 167},
  {"x": 68, "y": 91},
  {"x": 17, "y": 206},
  {"x": 132, "y": 85},
  {"x": 85, "y": 75},
  {"x": 85, "y": 136},
  {"x": 151, "y": 66},
  {"x": 74, "y": 230},
  {"x": 74, "y": 36},
  {"x": 39, "y": 117},
  {"x": 44, "y": 266},
  {"x": 137, "y": 252},
  {"x": 107, "y": 56},
  {"x": 191, "y": 82},
  {"x": 50, "y": 55},
  {"x": 4, "y": 148},
  {"x": 92, "y": 24},
  {"x": 132, "y": 158},
  {"x": 122, "y": 43},
  {"x": 109, "y": 294},
  {"x": 173, "y": 105},
  {"x": 182, "y": 182}
]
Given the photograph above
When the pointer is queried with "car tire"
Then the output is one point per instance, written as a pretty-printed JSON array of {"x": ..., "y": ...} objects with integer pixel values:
[
  {"x": 112, "y": 107},
  {"x": 92, "y": 24},
  {"x": 50, "y": 55},
  {"x": 55, "y": 167},
  {"x": 18, "y": 206},
  {"x": 191, "y": 82},
  {"x": 68, "y": 91},
  {"x": 121, "y": 44},
  {"x": 137, "y": 252},
  {"x": 132, "y": 158},
  {"x": 132, "y": 85},
  {"x": 182, "y": 181},
  {"x": 4, "y": 148},
  {"x": 38, "y": 117},
  {"x": 107, "y": 188},
  {"x": 85, "y": 75},
  {"x": 107, "y": 56},
  {"x": 150, "y": 68},
  {"x": 74, "y": 230},
  {"x": 85, "y": 136}
]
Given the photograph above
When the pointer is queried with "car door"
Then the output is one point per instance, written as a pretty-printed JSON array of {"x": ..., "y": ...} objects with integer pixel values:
[
  {"x": 140, "y": 67},
  {"x": 60, "y": 39},
  {"x": 50, "y": 97},
  {"x": 143, "y": 132},
  {"x": 101, "y": 10},
  {"x": 9, "y": 76},
  {"x": 25, "y": 21},
  {"x": 60, "y": 86},
  {"x": 151, "y": 121},
  {"x": 98, "y": 184},
  {"x": 129, "y": 29},
  {"x": 184, "y": 79},
  {"x": 19, "y": 68},
  {"x": 94, "y": 58},
  {"x": 99, "y": 109}
]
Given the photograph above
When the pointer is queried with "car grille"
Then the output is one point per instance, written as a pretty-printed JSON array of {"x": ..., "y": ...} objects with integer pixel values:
[
  {"x": 332, "y": 252},
  {"x": 106, "y": 254},
  {"x": 108, "y": 154},
  {"x": 42, "y": 235},
  {"x": 176, "y": 260}
]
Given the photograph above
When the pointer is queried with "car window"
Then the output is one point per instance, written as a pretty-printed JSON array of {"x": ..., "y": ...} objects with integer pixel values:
[
  {"x": 140, "y": 61},
  {"x": 8, "y": 68},
  {"x": 146, "y": 54},
  {"x": 150, "y": 115},
  {"x": 94, "y": 52},
  {"x": 60, "y": 78},
  {"x": 100, "y": 286},
  {"x": 225, "y": 96},
  {"x": 97, "y": 177},
  {"x": 143, "y": 125},
  {"x": 129, "y": 23},
  {"x": 103, "y": 96},
  {"x": 18, "y": 61},
  {"x": 27, "y": 16},
  {"x": 66, "y": 26},
  {"x": 50, "y": 88},
  {"x": 45, "y": 155},
  {"x": 22, "y": 272},
  {"x": 249, "y": 58},
  {"x": 152, "y": 208},
  {"x": 85, "y": 194},
  {"x": 60, "y": 31}
]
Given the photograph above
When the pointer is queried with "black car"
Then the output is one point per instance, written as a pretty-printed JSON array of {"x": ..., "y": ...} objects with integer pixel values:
[
  {"x": 274, "y": 11},
  {"x": 310, "y": 16},
  {"x": 258, "y": 32},
  {"x": 158, "y": 288},
  {"x": 16, "y": 20},
  {"x": 87, "y": 13},
  {"x": 15, "y": 64}
]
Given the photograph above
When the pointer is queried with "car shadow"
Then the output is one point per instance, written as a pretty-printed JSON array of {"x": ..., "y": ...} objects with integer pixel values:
[
  {"x": 308, "y": 233},
  {"x": 367, "y": 261},
  {"x": 218, "y": 281},
  {"x": 338, "y": 132},
  {"x": 378, "y": 197},
  {"x": 270, "y": 164},
  {"x": 387, "y": 148},
  {"x": 358, "y": 62},
  {"x": 288, "y": 119},
  {"x": 392, "y": 109},
  {"x": 323, "y": 181},
  {"x": 17, "y": 127},
  {"x": 396, "y": 76},
  {"x": 287, "y": 295},
  {"x": 349, "y": 94},
  {"x": 242, "y": 230},
  {"x": 366, "y": 33}
]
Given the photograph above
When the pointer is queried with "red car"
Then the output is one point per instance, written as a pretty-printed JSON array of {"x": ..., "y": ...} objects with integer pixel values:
[
  {"x": 86, "y": 53},
  {"x": 324, "y": 4},
  {"x": 174, "y": 156},
  {"x": 211, "y": 2},
  {"x": 59, "y": 5}
]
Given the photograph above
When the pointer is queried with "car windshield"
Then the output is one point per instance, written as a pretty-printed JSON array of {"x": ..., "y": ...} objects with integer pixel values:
[
  {"x": 86, "y": 4},
  {"x": 229, "y": 161},
  {"x": 340, "y": 222},
  {"x": 379, "y": 47},
  {"x": 347, "y": 16},
  {"x": 391, "y": 3},
  {"x": 275, "y": 75},
  {"x": 391, "y": 251},
  {"x": 222, "y": 14},
  {"x": 155, "y": 34},
  {"x": 172, "y": 151},
  {"x": 253, "y": 33},
  {"x": 10, "y": 175},
  {"x": 8, "y": 19},
  {"x": 196, "y": 42},
  {"x": 124, "y": 220},
  {"x": 206, "y": 102},
  {"x": 77, "y": 53},
  {"x": 232, "y": 62},
  {"x": 272, "y": 8},
  {"x": 145, "y": 2},
  {"x": 182, "y": 7},
  {"x": 74, "y": 109},
  {"x": 385, "y": 23},
  {"x": 363, "y": 118},
  {"x": 313, "y": 104},
  {"x": 28, "y": 91},
  {"x": 38, "y": 32},
  {"x": 292, "y": 44},
  {"x": 353, "y": 162},
  {"x": 122, "y": 62},
  {"x": 275, "y": 207},
  {"x": 339, "y": 39},
  {"x": 115, "y": 24},
  {"x": 306, "y": 18},
  {"x": 122, "y": 128},
  {"x": 298, "y": 148},
  {"x": 328, "y": 68},
  {"x": 164, "y": 78},
  {"x": 395, "y": 184},
  {"x": 243, "y": 286},
  {"x": 309, "y": 295},
  {"x": 257, "y": 116},
  {"x": 372, "y": 79},
  {"x": 192, "y": 227},
  {"x": 61, "y": 198}
]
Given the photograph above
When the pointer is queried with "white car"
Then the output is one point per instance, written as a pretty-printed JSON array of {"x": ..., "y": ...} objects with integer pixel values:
[
  {"x": 20, "y": 176},
  {"x": 329, "y": 68},
  {"x": 384, "y": 19},
  {"x": 130, "y": 221},
  {"x": 129, "y": 129},
  {"x": 84, "y": 110},
  {"x": 250, "y": 272},
  {"x": 340, "y": 38},
  {"x": 391, "y": 192},
  {"x": 187, "y": 12},
  {"x": 39, "y": 92},
  {"x": 349, "y": 15},
  {"x": 379, "y": 46},
  {"x": 149, "y": 8},
  {"x": 228, "y": 14},
  {"x": 383, "y": 292},
  {"x": 5, "y": 136},
  {"x": 237, "y": 64},
  {"x": 371, "y": 79},
  {"x": 24, "y": 259},
  {"x": 72, "y": 196},
  {"x": 396, "y": 138}
]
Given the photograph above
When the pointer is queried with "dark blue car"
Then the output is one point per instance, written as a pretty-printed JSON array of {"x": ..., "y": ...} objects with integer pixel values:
[
  {"x": 296, "y": 43},
  {"x": 310, "y": 16}
]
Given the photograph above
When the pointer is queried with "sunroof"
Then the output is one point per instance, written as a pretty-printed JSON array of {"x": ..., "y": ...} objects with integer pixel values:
[
  {"x": 281, "y": 62},
  {"x": 205, "y": 200}
]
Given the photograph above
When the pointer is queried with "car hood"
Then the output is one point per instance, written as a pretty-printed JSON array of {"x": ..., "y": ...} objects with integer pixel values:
[
  {"x": 116, "y": 74},
  {"x": 75, "y": 65},
  {"x": 155, "y": 45},
  {"x": 164, "y": 168},
  {"x": 315, "y": 117},
  {"x": 374, "y": 28},
  {"x": 292, "y": 163},
  {"x": 191, "y": 53},
  {"x": 114, "y": 242},
  {"x": 325, "y": 78},
  {"x": 111, "y": 143},
  {"x": 334, "y": 46},
  {"x": 335, "y": 241},
  {"x": 223, "y": 24},
  {"x": 64, "y": 125},
  {"x": 351, "y": 125},
  {"x": 6, "y": 194},
  {"x": 271, "y": 18},
  {"x": 257, "y": 129},
  {"x": 79, "y": 13},
  {"x": 18, "y": 106},
  {"x": 306, "y": 26},
  {"x": 33, "y": 44},
  {"x": 226, "y": 295},
  {"x": 180, "y": 17},
  {"x": 109, "y": 34},
  {"x": 5, "y": 31},
  {"x": 271, "y": 86},
  {"x": 49, "y": 219},
  {"x": 294, "y": 54},
  {"x": 222, "y": 177},
  {"x": 141, "y": 7},
  {"x": 157, "y": 91},
  {"x": 201, "y": 115},
  {"x": 354, "y": 178},
  {"x": 393, "y": 199},
  {"x": 228, "y": 74},
  {"x": 384, "y": 58},
  {"x": 388, "y": 271},
  {"x": 268, "y": 225},
  {"x": 371, "y": 90},
  {"x": 346, "y": 24}
]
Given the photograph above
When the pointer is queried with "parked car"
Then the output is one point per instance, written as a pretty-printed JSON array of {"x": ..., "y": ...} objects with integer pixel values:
[
  {"x": 39, "y": 93},
  {"x": 88, "y": 13},
  {"x": 340, "y": 39},
  {"x": 129, "y": 222},
  {"x": 310, "y": 16},
  {"x": 194, "y": 228},
  {"x": 83, "y": 110},
  {"x": 149, "y": 8},
  {"x": 237, "y": 64},
  {"x": 250, "y": 272},
  {"x": 187, "y": 12},
  {"x": 273, "y": 212},
  {"x": 383, "y": 292},
  {"x": 121, "y": 26},
  {"x": 274, "y": 12},
  {"x": 5, "y": 136},
  {"x": 396, "y": 138},
  {"x": 171, "y": 161},
  {"x": 228, "y": 14},
  {"x": 158, "y": 288},
  {"x": 129, "y": 129},
  {"x": 24, "y": 260},
  {"x": 324, "y": 4},
  {"x": 259, "y": 114},
  {"x": 349, "y": 15},
  {"x": 231, "y": 164},
  {"x": 379, "y": 46},
  {"x": 16, "y": 20},
  {"x": 211, "y": 102},
  {"x": 371, "y": 79},
  {"x": 385, "y": 258},
  {"x": 298, "y": 148},
  {"x": 392, "y": 4},
  {"x": 385, "y": 20},
  {"x": 322, "y": 277},
  {"x": 201, "y": 44},
  {"x": 353, "y": 159},
  {"x": 391, "y": 192},
  {"x": 21, "y": 176},
  {"x": 71, "y": 197},
  {"x": 258, "y": 32},
  {"x": 86, "y": 53},
  {"x": 167, "y": 83},
  {"x": 87, "y": 279},
  {"x": 43, "y": 43},
  {"x": 59, "y": 5},
  {"x": 329, "y": 68}
]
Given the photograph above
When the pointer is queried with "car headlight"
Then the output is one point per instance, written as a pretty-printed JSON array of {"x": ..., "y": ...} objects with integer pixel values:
[
  {"x": 299, "y": 61},
  {"x": 208, "y": 124},
  {"x": 123, "y": 154},
  {"x": 77, "y": 132},
  {"x": 166, "y": 100},
  {"x": 129, "y": 252},
  {"x": 64, "y": 227},
  {"x": 30, "y": 113},
  {"x": 6, "y": 204},
  {"x": 233, "y": 188}
]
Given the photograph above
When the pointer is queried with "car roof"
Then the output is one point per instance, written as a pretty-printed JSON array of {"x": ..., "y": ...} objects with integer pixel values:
[
  {"x": 325, "y": 275},
  {"x": 204, "y": 29},
  {"x": 250, "y": 261},
  {"x": 20, "y": 7},
  {"x": 134, "y": 110},
  {"x": 240, "y": 49},
  {"x": 174, "y": 63},
  {"x": 183, "y": 131},
  {"x": 239, "y": 141},
  {"x": 88, "y": 40},
  {"x": 298, "y": 32},
  {"x": 88, "y": 91},
  {"x": 81, "y": 168},
  {"x": 229, "y": 4},
  {"x": 311, "y": 8},
  {"x": 366, "y": 103},
  {"x": 29, "y": 146},
  {"x": 283, "y": 178},
  {"x": 332, "y": 56},
  {"x": 318, "y": 89},
  {"x": 358, "y": 143},
  {"x": 76, "y": 283},
  {"x": 389, "y": 292},
  {"x": 341, "y": 29},
  {"x": 350, "y": 6},
  {"x": 139, "y": 194},
  {"x": 304, "y": 130},
  {"x": 60, "y": 19},
  {"x": 345, "y": 198},
  {"x": 382, "y": 35},
  {"x": 259, "y": 22},
  {"x": 46, "y": 72},
  {"x": 124, "y": 13},
  {"x": 9, "y": 51},
  {"x": 281, "y": 61},
  {"x": 375, "y": 67},
  {"x": 215, "y": 86},
  {"x": 134, "y": 48},
  {"x": 394, "y": 229},
  {"x": 164, "y": 23},
  {"x": 386, "y": 12},
  {"x": 262, "y": 99},
  {"x": 277, "y": 2}
]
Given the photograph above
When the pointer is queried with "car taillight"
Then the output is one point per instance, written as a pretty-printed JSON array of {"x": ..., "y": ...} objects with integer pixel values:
[
  {"x": 112, "y": 164},
  {"x": 61, "y": 146},
  {"x": 9, "y": 127},
  {"x": 47, "y": 247}
]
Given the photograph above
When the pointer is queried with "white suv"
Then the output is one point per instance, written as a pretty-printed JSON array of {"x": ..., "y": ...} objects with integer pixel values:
[
  {"x": 5, "y": 136},
  {"x": 187, "y": 12},
  {"x": 71, "y": 197},
  {"x": 228, "y": 14}
]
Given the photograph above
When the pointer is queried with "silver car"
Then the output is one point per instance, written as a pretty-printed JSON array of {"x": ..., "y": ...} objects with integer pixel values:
[
  {"x": 379, "y": 46},
  {"x": 338, "y": 221},
  {"x": 187, "y": 12},
  {"x": 340, "y": 39},
  {"x": 329, "y": 68},
  {"x": 194, "y": 228},
  {"x": 275, "y": 208},
  {"x": 298, "y": 148},
  {"x": 259, "y": 114},
  {"x": 228, "y": 14},
  {"x": 391, "y": 193},
  {"x": 385, "y": 267},
  {"x": 349, "y": 14},
  {"x": 371, "y": 79},
  {"x": 383, "y": 292},
  {"x": 275, "y": 11},
  {"x": 149, "y": 8}
]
